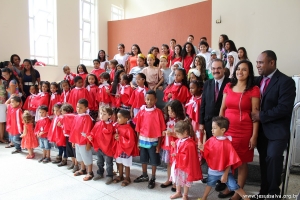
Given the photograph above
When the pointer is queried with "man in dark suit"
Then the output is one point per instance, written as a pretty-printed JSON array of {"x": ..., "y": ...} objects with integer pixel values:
[
  {"x": 277, "y": 100},
  {"x": 212, "y": 96}
]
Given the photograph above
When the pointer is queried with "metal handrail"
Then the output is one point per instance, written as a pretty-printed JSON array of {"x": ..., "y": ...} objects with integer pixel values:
[{"x": 290, "y": 149}]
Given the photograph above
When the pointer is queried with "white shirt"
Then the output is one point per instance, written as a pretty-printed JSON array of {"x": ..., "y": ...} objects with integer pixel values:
[
  {"x": 121, "y": 59},
  {"x": 220, "y": 81}
]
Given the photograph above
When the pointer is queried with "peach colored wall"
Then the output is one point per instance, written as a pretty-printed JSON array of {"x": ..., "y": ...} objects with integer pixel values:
[{"x": 159, "y": 28}]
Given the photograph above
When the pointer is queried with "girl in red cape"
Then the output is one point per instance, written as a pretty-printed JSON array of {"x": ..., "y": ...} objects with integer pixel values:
[
  {"x": 125, "y": 91},
  {"x": 41, "y": 98},
  {"x": 82, "y": 71},
  {"x": 186, "y": 166},
  {"x": 69, "y": 75},
  {"x": 178, "y": 89},
  {"x": 54, "y": 98},
  {"x": 65, "y": 87},
  {"x": 79, "y": 92},
  {"x": 221, "y": 158},
  {"x": 28, "y": 105},
  {"x": 29, "y": 139},
  {"x": 91, "y": 83},
  {"x": 125, "y": 146},
  {"x": 103, "y": 95}
]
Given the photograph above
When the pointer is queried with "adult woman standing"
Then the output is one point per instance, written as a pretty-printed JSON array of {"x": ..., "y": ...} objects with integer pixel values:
[
  {"x": 2, "y": 108},
  {"x": 132, "y": 59},
  {"x": 121, "y": 57},
  {"x": 15, "y": 60},
  {"x": 102, "y": 57},
  {"x": 240, "y": 98},
  {"x": 30, "y": 76}
]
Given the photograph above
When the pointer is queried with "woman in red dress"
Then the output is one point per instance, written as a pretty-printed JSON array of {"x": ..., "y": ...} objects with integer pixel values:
[{"x": 240, "y": 98}]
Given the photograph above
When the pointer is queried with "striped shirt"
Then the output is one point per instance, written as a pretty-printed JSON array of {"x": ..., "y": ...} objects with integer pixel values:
[{"x": 146, "y": 142}]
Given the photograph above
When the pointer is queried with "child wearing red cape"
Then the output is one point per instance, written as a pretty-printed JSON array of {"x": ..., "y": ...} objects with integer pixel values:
[
  {"x": 41, "y": 98},
  {"x": 186, "y": 166},
  {"x": 221, "y": 158},
  {"x": 91, "y": 83},
  {"x": 29, "y": 140},
  {"x": 103, "y": 96},
  {"x": 41, "y": 131},
  {"x": 125, "y": 91},
  {"x": 178, "y": 89},
  {"x": 81, "y": 127},
  {"x": 28, "y": 105},
  {"x": 101, "y": 137},
  {"x": 150, "y": 124},
  {"x": 97, "y": 70},
  {"x": 14, "y": 125},
  {"x": 69, "y": 75},
  {"x": 54, "y": 98},
  {"x": 125, "y": 146},
  {"x": 65, "y": 86},
  {"x": 79, "y": 92}
]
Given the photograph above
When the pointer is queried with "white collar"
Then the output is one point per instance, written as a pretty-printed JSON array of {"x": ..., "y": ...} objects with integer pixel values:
[
  {"x": 224, "y": 138},
  {"x": 144, "y": 107}
]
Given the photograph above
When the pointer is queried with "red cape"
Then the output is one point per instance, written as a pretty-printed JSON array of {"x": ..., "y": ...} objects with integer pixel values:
[
  {"x": 187, "y": 159},
  {"x": 193, "y": 107},
  {"x": 28, "y": 105},
  {"x": 77, "y": 94},
  {"x": 102, "y": 135},
  {"x": 52, "y": 102},
  {"x": 42, "y": 125},
  {"x": 67, "y": 121},
  {"x": 14, "y": 121},
  {"x": 137, "y": 99},
  {"x": 126, "y": 96},
  {"x": 55, "y": 133},
  {"x": 179, "y": 92},
  {"x": 220, "y": 154},
  {"x": 40, "y": 99},
  {"x": 127, "y": 141},
  {"x": 150, "y": 124},
  {"x": 62, "y": 96},
  {"x": 103, "y": 96},
  {"x": 81, "y": 127},
  {"x": 112, "y": 75},
  {"x": 93, "y": 105},
  {"x": 97, "y": 72},
  {"x": 71, "y": 81},
  {"x": 170, "y": 127}
]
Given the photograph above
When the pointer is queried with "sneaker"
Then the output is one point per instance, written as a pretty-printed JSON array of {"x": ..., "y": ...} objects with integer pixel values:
[
  {"x": 75, "y": 168},
  {"x": 46, "y": 160},
  {"x": 16, "y": 151},
  {"x": 70, "y": 167},
  {"x": 151, "y": 183},
  {"x": 98, "y": 177},
  {"x": 141, "y": 179},
  {"x": 41, "y": 160},
  {"x": 108, "y": 181}
]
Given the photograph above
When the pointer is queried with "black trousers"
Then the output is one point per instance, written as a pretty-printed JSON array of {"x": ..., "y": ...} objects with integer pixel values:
[{"x": 208, "y": 127}]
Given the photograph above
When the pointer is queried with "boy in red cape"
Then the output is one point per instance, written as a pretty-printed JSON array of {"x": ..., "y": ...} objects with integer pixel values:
[
  {"x": 97, "y": 70},
  {"x": 221, "y": 158},
  {"x": 101, "y": 137},
  {"x": 150, "y": 124},
  {"x": 79, "y": 92}
]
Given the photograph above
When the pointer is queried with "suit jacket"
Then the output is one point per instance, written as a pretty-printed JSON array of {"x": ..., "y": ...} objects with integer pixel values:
[
  {"x": 276, "y": 106},
  {"x": 209, "y": 108}
]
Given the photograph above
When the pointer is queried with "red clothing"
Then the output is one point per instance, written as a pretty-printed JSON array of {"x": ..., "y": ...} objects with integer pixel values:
[
  {"x": 220, "y": 154},
  {"x": 179, "y": 59},
  {"x": 41, "y": 99},
  {"x": 132, "y": 62},
  {"x": 179, "y": 92},
  {"x": 137, "y": 98},
  {"x": 54, "y": 98},
  {"x": 125, "y": 93},
  {"x": 103, "y": 96},
  {"x": 76, "y": 94},
  {"x": 112, "y": 74},
  {"x": 67, "y": 121},
  {"x": 64, "y": 97},
  {"x": 150, "y": 122},
  {"x": 81, "y": 127},
  {"x": 103, "y": 137},
  {"x": 238, "y": 111},
  {"x": 55, "y": 133},
  {"x": 166, "y": 140},
  {"x": 127, "y": 141},
  {"x": 14, "y": 122},
  {"x": 193, "y": 108},
  {"x": 70, "y": 78},
  {"x": 83, "y": 76},
  {"x": 28, "y": 105},
  {"x": 29, "y": 141},
  {"x": 97, "y": 72},
  {"x": 93, "y": 92},
  {"x": 187, "y": 61},
  {"x": 42, "y": 125},
  {"x": 186, "y": 158}
]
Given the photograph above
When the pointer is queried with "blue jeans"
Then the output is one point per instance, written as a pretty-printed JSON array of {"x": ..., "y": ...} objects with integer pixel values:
[
  {"x": 109, "y": 164},
  {"x": 16, "y": 139},
  {"x": 231, "y": 182},
  {"x": 62, "y": 150}
]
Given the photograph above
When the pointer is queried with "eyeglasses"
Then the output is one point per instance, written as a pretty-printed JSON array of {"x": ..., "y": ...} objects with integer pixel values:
[{"x": 216, "y": 69}]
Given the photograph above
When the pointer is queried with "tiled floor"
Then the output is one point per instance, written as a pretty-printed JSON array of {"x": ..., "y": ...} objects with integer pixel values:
[{"x": 27, "y": 179}]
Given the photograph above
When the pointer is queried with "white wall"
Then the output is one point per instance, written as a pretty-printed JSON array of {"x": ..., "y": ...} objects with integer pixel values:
[{"x": 138, "y": 8}]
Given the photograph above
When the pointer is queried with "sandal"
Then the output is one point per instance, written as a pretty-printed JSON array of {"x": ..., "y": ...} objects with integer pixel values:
[
  {"x": 10, "y": 146},
  {"x": 4, "y": 142},
  {"x": 118, "y": 179},
  {"x": 89, "y": 176},
  {"x": 80, "y": 172},
  {"x": 126, "y": 182},
  {"x": 185, "y": 197}
]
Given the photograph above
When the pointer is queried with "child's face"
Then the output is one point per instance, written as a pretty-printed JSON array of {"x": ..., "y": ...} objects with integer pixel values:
[
  {"x": 197, "y": 62},
  {"x": 14, "y": 103},
  {"x": 119, "y": 68},
  {"x": 150, "y": 100},
  {"x": 203, "y": 48},
  {"x": 65, "y": 86},
  {"x": 53, "y": 88},
  {"x": 150, "y": 61},
  {"x": 121, "y": 119},
  {"x": 80, "y": 69},
  {"x": 227, "y": 46},
  {"x": 155, "y": 52},
  {"x": 79, "y": 83},
  {"x": 172, "y": 43},
  {"x": 178, "y": 76},
  {"x": 213, "y": 56},
  {"x": 140, "y": 81},
  {"x": 91, "y": 80},
  {"x": 171, "y": 113},
  {"x": 230, "y": 59},
  {"x": 140, "y": 62},
  {"x": 96, "y": 65},
  {"x": 123, "y": 81},
  {"x": 111, "y": 66},
  {"x": 240, "y": 53},
  {"x": 190, "y": 39},
  {"x": 63, "y": 112},
  {"x": 177, "y": 50},
  {"x": 104, "y": 116},
  {"x": 134, "y": 50},
  {"x": 32, "y": 90},
  {"x": 121, "y": 75},
  {"x": 181, "y": 135},
  {"x": 80, "y": 108},
  {"x": 56, "y": 111},
  {"x": 101, "y": 54},
  {"x": 216, "y": 130},
  {"x": 193, "y": 89},
  {"x": 175, "y": 67},
  {"x": 164, "y": 50},
  {"x": 45, "y": 88},
  {"x": 121, "y": 49},
  {"x": 43, "y": 113},
  {"x": 193, "y": 77},
  {"x": 188, "y": 48},
  {"x": 67, "y": 70},
  {"x": 163, "y": 62}
]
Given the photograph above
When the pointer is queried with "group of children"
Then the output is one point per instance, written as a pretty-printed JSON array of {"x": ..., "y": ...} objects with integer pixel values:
[{"x": 120, "y": 120}]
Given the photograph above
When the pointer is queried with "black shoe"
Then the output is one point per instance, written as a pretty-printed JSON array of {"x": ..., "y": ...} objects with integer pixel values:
[
  {"x": 204, "y": 180},
  {"x": 141, "y": 179},
  {"x": 151, "y": 183},
  {"x": 173, "y": 189},
  {"x": 222, "y": 196},
  {"x": 164, "y": 186},
  {"x": 16, "y": 151},
  {"x": 220, "y": 186}
]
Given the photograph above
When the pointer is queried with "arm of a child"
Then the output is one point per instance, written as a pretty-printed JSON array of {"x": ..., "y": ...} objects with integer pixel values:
[
  {"x": 138, "y": 136},
  {"x": 225, "y": 175},
  {"x": 24, "y": 132},
  {"x": 159, "y": 83},
  {"x": 158, "y": 145}
]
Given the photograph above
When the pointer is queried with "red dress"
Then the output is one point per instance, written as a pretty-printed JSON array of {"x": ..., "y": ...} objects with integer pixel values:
[
  {"x": 150, "y": 122},
  {"x": 137, "y": 98},
  {"x": 187, "y": 61},
  {"x": 103, "y": 137},
  {"x": 179, "y": 92},
  {"x": 28, "y": 105},
  {"x": 70, "y": 78},
  {"x": 97, "y": 72},
  {"x": 81, "y": 127},
  {"x": 76, "y": 94},
  {"x": 238, "y": 111},
  {"x": 127, "y": 141},
  {"x": 219, "y": 154},
  {"x": 41, "y": 99},
  {"x": 29, "y": 141},
  {"x": 64, "y": 97},
  {"x": 55, "y": 133},
  {"x": 93, "y": 92},
  {"x": 14, "y": 122},
  {"x": 42, "y": 125},
  {"x": 54, "y": 98},
  {"x": 103, "y": 96}
]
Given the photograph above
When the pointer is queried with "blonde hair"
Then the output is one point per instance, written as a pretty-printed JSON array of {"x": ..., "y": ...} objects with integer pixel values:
[
  {"x": 184, "y": 125},
  {"x": 151, "y": 56},
  {"x": 27, "y": 117}
]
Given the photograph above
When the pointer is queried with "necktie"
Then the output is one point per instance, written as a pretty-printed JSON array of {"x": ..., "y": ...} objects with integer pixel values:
[
  {"x": 216, "y": 90},
  {"x": 264, "y": 85}
]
